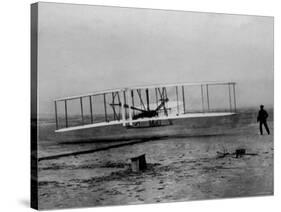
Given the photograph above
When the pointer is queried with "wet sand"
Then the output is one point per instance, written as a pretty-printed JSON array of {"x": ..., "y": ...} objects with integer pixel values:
[{"x": 179, "y": 169}]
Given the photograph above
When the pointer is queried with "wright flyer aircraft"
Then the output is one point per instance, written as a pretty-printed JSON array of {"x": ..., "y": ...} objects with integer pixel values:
[{"x": 145, "y": 106}]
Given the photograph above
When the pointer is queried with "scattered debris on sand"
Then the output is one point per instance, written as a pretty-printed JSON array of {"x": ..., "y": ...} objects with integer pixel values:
[{"x": 238, "y": 153}]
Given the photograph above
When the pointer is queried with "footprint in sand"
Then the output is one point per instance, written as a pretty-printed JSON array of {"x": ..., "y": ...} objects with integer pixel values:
[
  {"x": 168, "y": 196},
  {"x": 140, "y": 190}
]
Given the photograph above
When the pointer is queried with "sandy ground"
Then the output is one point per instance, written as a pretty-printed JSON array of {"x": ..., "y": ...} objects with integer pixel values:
[{"x": 179, "y": 169}]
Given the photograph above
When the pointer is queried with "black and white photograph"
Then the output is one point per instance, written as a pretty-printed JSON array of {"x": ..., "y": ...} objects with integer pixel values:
[{"x": 136, "y": 106}]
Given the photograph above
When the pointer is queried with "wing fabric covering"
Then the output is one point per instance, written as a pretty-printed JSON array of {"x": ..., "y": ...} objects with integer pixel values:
[{"x": 131, "y": 106}]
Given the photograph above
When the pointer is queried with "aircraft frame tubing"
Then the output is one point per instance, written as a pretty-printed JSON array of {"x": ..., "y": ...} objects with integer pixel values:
[{"x": 126, "y": 103}]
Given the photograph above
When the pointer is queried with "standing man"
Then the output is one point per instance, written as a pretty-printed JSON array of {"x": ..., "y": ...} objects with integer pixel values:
[{"x": 262, "y": 116}]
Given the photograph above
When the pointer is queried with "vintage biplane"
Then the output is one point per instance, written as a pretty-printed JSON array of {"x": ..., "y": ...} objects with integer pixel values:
[{"x": 145, "y": 106}]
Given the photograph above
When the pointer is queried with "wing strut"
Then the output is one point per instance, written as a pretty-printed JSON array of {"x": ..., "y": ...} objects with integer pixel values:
[{"x": 183, "y": 98}]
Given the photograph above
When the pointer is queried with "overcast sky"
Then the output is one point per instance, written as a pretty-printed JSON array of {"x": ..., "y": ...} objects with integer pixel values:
[{"x": 88, "y": 48}]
